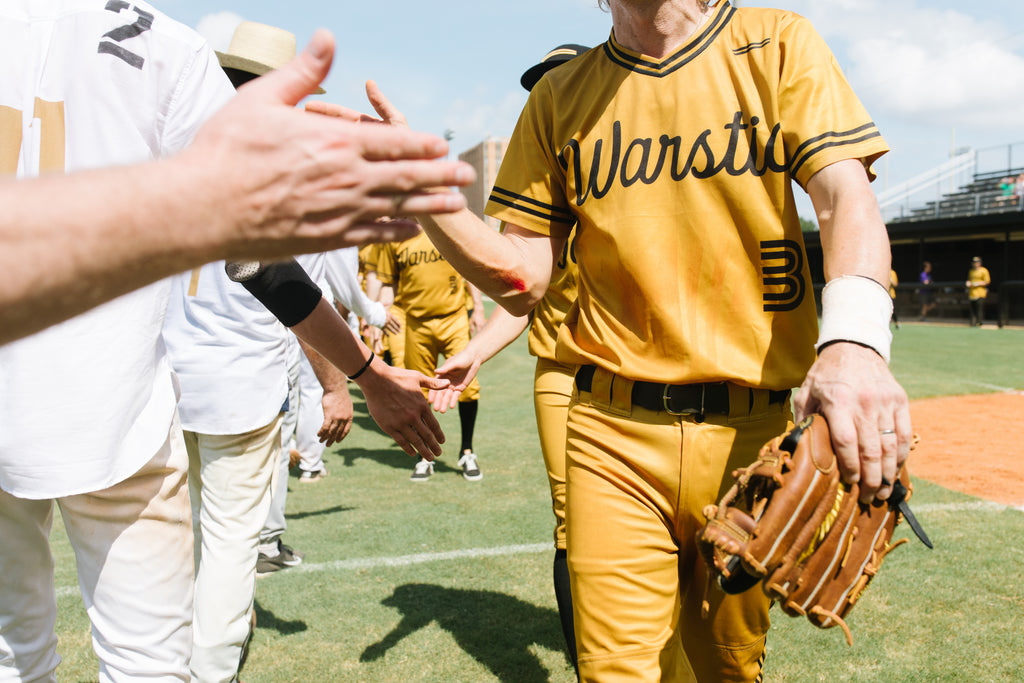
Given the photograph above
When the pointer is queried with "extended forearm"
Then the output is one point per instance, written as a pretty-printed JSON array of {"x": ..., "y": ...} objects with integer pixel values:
[
  {"x": 502, "y": 329},
  {"x": 853, "y": 235},
  {"x": 329, "y": 376},
  {"x": 332, "y": 338},
  {"x": 499, "y": 266},
  {"x": 70, "y": 242},
  {"x": 856, "y": 306}
]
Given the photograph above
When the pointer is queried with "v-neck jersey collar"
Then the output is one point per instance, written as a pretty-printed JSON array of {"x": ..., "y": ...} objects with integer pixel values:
[{"x": 634, "y": 61}]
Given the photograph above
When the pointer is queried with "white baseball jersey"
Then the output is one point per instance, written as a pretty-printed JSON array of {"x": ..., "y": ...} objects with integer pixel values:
[
  {"x": 230, "y": 353},
  {"x": 342, "y": 269},
  {"x": 90, "y": 83}
]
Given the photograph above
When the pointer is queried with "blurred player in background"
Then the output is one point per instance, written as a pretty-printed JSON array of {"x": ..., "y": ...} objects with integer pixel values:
[
  {"x": 433, "y": 296},
  {"x": 978, "y": 280}
]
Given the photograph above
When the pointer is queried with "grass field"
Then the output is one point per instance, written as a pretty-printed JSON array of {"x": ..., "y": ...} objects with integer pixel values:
[{"x": 450, "y": 581}]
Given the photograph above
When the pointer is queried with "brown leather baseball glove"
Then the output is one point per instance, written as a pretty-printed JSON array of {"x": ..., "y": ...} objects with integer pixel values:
[{"x": 791, "y": 524}]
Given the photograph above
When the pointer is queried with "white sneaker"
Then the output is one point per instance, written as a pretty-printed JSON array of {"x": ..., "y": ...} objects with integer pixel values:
[
  {"x": 470, "y": 470},
  {"x": 424, "y": 468}
]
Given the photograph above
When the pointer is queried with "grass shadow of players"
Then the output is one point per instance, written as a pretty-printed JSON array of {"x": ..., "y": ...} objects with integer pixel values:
[
  {"x": 360, "y": 413},
  {"x": 265, "y": 619},
  {"x": 316, "y": 513},
  {"x": 495, "y": 629},
  {"x": 395, "y": 458}
]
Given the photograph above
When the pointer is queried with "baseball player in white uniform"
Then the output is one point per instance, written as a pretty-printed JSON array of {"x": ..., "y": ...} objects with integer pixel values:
[
  {"x": 342, "y": 270},
  {"x": 231, "y": 356},
  {"x": 88, "y": 406},
  {"x": 307, "y": 410}
]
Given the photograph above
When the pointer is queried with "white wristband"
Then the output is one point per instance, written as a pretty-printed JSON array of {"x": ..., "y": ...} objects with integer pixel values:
[{"x": 856, "y": 309}]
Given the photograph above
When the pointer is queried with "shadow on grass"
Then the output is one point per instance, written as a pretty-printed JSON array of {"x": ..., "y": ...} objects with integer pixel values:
[
  {"x": 266, "y": 619},
  {"x": 361, "y": 414},
  {"x": 495, "y": 629},
  {"x": 396, "y": 459},
  {"x": 317, "y": 513}
]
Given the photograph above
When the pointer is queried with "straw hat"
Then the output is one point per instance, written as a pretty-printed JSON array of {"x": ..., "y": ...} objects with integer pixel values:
[{"x": 258, "y": 48}]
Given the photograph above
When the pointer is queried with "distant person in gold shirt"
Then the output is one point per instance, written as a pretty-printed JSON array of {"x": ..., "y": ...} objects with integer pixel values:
[{"x": 978, "y": 280}]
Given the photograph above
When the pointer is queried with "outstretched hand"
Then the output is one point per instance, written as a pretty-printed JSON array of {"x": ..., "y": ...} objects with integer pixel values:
[
  {"x": 316, "y": 183},
  {"x": 394, "y": 398},
  {"x": 459, "y": 370},
  {"x": 338, "y": 415},
  {"x": 386, "y": 112}
]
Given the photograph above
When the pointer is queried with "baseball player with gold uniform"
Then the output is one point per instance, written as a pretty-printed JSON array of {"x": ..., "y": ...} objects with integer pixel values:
[
  {"x": 672, "y": 147},
  {"x": 433, "y": 297}
]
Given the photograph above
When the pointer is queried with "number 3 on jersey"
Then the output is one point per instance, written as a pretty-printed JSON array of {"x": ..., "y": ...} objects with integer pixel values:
[{"x": 111, "y": 45}]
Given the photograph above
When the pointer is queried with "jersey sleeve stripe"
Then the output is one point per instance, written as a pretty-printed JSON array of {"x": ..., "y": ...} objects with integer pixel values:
[
  {"x": 531, "y": 212},
  {"x": 531, "y": 206},
  {"x": 816, "y": 144}
]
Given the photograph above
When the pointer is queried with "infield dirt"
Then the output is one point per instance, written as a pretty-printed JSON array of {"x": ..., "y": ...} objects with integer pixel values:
[{"x": 973, "y": 444}]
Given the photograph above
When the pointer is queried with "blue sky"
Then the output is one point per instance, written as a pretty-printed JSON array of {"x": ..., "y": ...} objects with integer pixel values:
[{"x": 933, "y": 73}]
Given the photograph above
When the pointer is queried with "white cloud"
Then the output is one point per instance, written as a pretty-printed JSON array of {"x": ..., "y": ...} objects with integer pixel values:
[
  {"x": 218, "y": 28},
  {"x": 925, "y": 63}
]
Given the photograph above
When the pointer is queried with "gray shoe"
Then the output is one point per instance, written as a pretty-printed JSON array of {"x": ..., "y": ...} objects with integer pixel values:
[{"x": 286, "y": 557}]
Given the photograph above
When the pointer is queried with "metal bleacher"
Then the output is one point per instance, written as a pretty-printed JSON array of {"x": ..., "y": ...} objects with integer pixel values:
[{"x": 978, "y": 192}]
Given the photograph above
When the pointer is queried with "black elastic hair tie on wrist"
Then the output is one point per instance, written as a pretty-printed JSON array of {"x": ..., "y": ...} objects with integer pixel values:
[{"x": 363, "y": 369}]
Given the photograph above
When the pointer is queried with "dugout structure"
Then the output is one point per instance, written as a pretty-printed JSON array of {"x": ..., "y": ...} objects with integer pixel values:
[{"x": 973, "y": 221}]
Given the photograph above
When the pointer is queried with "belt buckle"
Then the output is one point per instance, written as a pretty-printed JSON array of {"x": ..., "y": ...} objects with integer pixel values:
[{"x": 666, "y": 402}]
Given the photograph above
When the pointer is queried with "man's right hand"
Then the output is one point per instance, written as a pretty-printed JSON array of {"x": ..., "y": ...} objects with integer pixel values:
[{"x": 395, "y": 400}]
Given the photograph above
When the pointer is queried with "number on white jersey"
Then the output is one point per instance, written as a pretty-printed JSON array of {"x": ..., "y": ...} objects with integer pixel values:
[{"x": 143, "y": 23}]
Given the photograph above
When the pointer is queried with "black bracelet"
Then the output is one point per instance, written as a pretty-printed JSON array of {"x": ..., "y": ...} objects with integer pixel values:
[
  {"x": 363, "y": 369},
  {"x": 830, "y": 342}
]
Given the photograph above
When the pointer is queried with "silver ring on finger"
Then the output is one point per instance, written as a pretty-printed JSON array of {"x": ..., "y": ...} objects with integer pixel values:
[{"x": 886, "y": 432}]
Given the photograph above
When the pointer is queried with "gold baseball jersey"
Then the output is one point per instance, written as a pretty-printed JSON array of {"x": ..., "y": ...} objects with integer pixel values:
[
  {"x": 551, "y": 310},
  {"x": 367, "y": 261},
  {"x": 979, "y": 274},
  {"x": 426, "y": 285},
  {"x": 677, "y": 170}
]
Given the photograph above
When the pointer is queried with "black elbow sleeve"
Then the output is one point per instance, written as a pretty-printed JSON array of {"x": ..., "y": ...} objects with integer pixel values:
[{"x": 283, "y": 287}]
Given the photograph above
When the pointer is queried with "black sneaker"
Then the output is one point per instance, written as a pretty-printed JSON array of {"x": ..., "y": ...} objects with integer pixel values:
[
  {"x": 286, "y": 557},
  {"x": 470, "y": 470}
]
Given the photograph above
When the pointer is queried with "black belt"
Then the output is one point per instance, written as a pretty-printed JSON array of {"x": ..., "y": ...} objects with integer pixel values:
[{"x": 680, "y": 399}]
